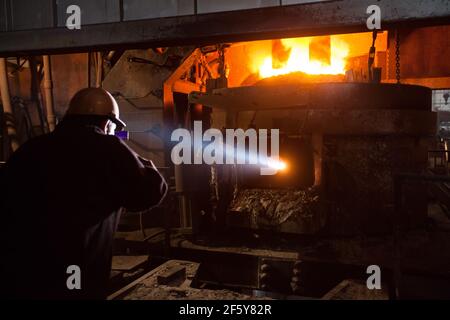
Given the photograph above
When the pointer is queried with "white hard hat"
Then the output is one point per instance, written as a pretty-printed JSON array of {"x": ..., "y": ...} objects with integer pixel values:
[{"x": 95, "y": 102}]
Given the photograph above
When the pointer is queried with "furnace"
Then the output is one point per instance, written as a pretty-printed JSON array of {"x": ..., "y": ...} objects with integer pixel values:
[{"x": 348, "y": 141}]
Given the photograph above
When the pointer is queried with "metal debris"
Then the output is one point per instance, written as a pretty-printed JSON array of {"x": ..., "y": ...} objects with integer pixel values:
[{"x": 273, "y": 207}]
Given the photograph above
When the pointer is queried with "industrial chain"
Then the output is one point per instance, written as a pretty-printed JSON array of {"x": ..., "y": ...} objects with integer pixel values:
[
  {"x": 372, "y": 52},
  {"x": 397, "y": 56}
]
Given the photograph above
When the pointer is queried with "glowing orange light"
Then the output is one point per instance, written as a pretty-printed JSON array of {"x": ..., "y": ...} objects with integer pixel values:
[
  {"x": 279, "y": 165},
  {"x": 299, "y": 59}
]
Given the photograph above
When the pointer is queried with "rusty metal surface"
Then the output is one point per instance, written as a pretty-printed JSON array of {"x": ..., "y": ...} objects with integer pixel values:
[
  {"x": 345, "y": 122},
  {"x": 418, "y": 60},
  {"x": 179, "y": 241},
  {"x": 133, "y": 291},
  {"x": 360, "y": 178},
  {"x": 147, "y": 287},
  {"x": 127, "y": 263},
  {"x": 328, "y": 108},
  {"x": 351, "y": 289},
  {"x": 427, "y": 250},
  {"x": 269, "y": 208},
  {"x": 276, "y": 94}
]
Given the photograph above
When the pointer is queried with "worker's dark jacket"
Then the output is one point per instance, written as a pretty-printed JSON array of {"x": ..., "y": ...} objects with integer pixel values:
[{"x": 60, "y": 198}]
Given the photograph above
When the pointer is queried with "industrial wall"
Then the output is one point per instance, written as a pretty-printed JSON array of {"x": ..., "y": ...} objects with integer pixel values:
[{"x": 38, "y": 14}]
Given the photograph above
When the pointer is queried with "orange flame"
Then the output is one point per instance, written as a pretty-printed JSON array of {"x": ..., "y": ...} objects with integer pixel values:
[{"x": 299, "y": 59}]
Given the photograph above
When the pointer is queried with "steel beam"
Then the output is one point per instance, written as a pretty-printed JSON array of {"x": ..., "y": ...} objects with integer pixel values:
[
  {"x": 264, "y": 23},
  {"x": 343, "y": 95}
]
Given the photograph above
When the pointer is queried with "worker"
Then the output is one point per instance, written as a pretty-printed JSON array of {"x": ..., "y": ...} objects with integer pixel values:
[{"x": 60, "y": 201}]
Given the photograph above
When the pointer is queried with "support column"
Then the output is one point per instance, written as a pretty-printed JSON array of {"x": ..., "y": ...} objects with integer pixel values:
[{"x": 7, "y": 108}]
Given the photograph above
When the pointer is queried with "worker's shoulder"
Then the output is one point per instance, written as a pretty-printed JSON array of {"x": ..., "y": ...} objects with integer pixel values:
[
  {"x": 109, "y": 139},
  {"x": 121, "y": 155},
  {"x": 30, "y": 150},
  {"x": 114, "y": 142},
  {"x": 35, "y": 143}
]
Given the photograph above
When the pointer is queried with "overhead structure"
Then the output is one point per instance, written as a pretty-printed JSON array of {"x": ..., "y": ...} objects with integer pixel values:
[{"x": 142, "y": 23}]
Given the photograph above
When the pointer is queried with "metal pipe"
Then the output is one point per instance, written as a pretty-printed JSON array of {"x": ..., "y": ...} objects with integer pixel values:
[
  {"x": 89, "y": 70},
  {"x": 36, "y": 95},
  {"x": 48, "y": 86},
  {"x": 7, "y": 108},
  {"x": 99, "y": 76}
]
